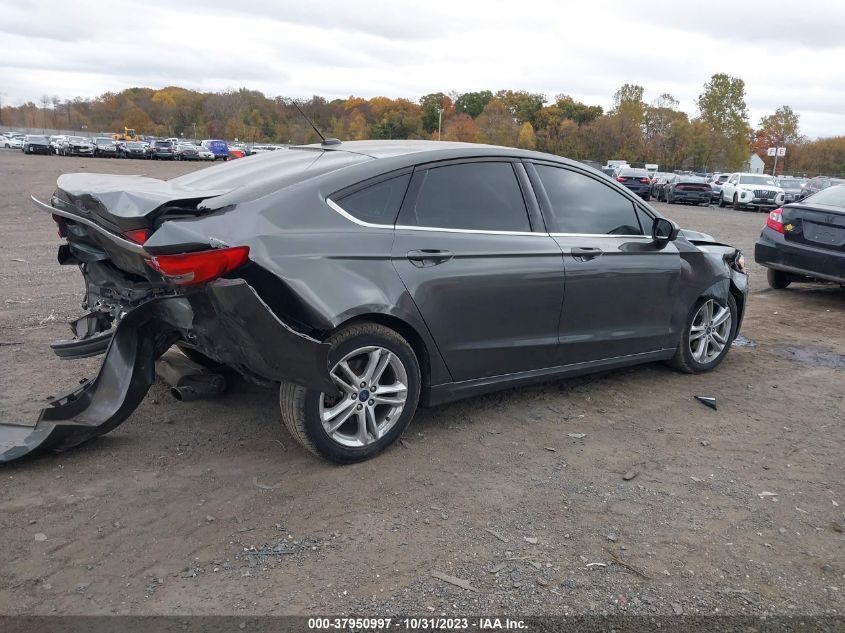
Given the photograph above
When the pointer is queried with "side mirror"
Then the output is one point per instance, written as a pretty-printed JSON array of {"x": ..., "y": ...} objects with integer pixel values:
[{"x": 664, "y": 230}]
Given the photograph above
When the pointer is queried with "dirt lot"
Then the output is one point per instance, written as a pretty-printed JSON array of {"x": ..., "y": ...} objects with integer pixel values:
[{"x": 210, "y": 507}]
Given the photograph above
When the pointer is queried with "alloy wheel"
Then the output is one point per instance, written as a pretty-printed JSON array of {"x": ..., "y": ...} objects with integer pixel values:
[
  {"x": 710, "y": 331},
  {"x": 373, "y": 386}
]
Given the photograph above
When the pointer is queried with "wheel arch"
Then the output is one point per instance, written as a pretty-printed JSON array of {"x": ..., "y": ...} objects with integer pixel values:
[{"x": 408, "y": 332}]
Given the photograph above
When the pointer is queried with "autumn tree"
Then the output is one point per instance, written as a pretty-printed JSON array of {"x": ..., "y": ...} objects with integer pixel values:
[
  {"x": 496, "y": 125},
  {"x": 526, "y": 138},
  {"x": 460, "y": 127},
  {"x": 473, "y": 103},
  {"x": 431, "y": 106},
  {"x": 722, "y": 109}
]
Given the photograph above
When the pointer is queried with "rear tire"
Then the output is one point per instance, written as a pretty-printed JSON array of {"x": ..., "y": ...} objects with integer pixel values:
[
  {"x": 352, "y": 440},
  {"x": 777, "y": 279},
  {"x": 685, "y": 359}
]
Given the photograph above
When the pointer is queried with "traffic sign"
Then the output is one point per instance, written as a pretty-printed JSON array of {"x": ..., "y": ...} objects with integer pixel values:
[{"x": 781, "y": 151}]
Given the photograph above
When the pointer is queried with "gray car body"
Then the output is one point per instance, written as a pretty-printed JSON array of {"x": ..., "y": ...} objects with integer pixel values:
[
  {"x": 516, "y": 308},
  {"x": 502, "y": 309}
]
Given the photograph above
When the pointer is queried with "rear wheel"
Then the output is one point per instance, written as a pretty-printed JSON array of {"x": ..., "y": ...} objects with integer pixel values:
[
  {"x": 777, "y": 279},
  {"x": 710, "y": 328},
  {"x": 378, "y": 381}
]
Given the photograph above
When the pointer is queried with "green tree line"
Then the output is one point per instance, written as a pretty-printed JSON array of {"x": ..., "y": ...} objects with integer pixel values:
[{"x": 718, "y": 137}]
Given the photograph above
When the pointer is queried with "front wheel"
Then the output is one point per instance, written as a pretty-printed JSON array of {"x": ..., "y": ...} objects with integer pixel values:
[
  {"x": 378, "y": 387},
  {"x": 737, "y": 205},
  {"x": 777, "y": 279},
  {"x": 709, "y": 330}
]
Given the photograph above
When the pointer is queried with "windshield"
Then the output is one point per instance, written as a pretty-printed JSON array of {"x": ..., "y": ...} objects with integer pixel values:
[
  {"x": 37, "y": 139},
  {"x": 75, "y": 139},
  {"x": 634, "y": 173},
  {"x": 104, "y": 140},
  {"x": 790, "y": 184},
  {"x": 833, "y": 196},
  {"x": 757, "y": 180}
]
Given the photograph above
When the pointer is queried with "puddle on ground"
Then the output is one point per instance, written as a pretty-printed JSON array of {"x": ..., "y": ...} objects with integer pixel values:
[
  {"x": 741, "y": 341},
  {"x": 816, "y": 356}
]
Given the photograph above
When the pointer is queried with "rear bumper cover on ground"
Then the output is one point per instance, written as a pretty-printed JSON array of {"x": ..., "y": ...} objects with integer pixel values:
[{"x": 226, "y": 320}]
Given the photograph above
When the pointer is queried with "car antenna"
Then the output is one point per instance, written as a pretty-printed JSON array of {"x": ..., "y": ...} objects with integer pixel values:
[{"x": 325, "y": 141}]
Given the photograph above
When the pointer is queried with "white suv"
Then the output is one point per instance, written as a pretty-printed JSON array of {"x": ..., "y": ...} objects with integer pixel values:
[{"x": 757, "y": 191}]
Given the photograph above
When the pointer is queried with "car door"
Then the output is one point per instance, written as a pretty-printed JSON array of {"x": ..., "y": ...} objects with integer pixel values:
[
  {"x": 487, "y": 278},
  {"x": 620, "y": 284}
]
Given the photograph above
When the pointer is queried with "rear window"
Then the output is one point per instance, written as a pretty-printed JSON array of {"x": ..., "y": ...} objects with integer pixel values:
[
  {"x": 478, "y": 196},
  {"x": 634, "y": 173},
  {"x": 37, "y": 139},
  {"x": 832, "y": 196},
  {"x": 162, "y": 144}
]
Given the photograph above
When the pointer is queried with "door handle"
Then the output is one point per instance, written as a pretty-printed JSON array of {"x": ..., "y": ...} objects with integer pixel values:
[
  {"x": 584, "y": 253},
  {"x": 429, "y": 257}
]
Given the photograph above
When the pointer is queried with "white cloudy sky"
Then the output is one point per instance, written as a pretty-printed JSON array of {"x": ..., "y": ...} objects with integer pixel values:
[{"x": 787, "y": 52}]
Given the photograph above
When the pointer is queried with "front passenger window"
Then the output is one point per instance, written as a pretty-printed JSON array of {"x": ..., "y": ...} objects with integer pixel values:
[{"x": 581, "y": 204}]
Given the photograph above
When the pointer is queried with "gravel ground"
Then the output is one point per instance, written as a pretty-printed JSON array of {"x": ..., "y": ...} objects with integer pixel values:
[{"x": 613, "y": 493}]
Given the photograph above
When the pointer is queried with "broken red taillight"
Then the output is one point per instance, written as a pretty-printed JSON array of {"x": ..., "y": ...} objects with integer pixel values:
[
  {"x": 139, "y": 236},
  {"x": 189, "y": 269},
  {"x": 775, "y": 220}
]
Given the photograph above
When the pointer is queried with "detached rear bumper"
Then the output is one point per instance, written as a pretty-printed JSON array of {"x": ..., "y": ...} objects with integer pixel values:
[{"x": 225, "y": 319}]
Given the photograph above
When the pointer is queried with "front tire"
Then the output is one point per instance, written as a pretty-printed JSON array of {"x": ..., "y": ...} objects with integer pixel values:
[
  {"x": 777, "y": 279},
  {"x": 378, "y": 378},
  {"x": 708, "y": 333},
  {"x": 737, "y": 205}
]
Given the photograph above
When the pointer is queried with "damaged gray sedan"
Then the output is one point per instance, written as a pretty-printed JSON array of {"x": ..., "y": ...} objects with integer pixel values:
[{"x": 369, "y": 278}]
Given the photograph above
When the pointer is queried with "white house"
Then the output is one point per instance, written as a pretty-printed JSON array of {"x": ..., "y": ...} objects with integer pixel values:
[{"x": 754, "y": 164}]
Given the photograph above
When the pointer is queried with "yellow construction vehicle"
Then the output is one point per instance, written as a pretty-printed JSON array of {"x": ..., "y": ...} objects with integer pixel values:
[{"x": 128, "y": 135}]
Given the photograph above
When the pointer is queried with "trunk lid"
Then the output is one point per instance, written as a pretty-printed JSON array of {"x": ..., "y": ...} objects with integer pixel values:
[{"x": 820, "y": 226}]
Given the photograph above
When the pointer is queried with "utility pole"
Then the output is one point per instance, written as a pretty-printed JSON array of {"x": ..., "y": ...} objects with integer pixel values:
[
  {"x": 1, "y": 106},
  {"x": 439, "y": 121}
]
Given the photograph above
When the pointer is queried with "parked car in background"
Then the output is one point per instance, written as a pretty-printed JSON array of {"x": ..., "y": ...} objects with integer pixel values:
[
  {"x": 186, "y": 151},
  {"x": 792, "y": 189},
  {"x": 755, "y": 191},
  {"x": 133, "y": 149},
  {"x": 658, "y": 181},
  {"x": 814, "y": 185},
  {"x": 368, "y": 277},
  {"x": 219, "y": 148},
  {"x": 56, "y": 142},
  {"x": 35, "y": 144},
  {"x": 11, "y": 142},
  {"x": 805, "y": 240},
  {"x": 635, "y": 179},
  {"x": 716, "y": 181},
  {"x": 162, "y": 150},
  {"x": 77, "y": 146},
  {"x": 203, "y": 153},
  {"x": 105, "y": 147},
  {"x": 687, "y": 189}
]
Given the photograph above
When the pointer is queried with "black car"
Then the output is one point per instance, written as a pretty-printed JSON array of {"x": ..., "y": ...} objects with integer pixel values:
[
  {"x": 162, "y": 150},
  {"x": 36, "y": 144},
  {"x": 687, "y": 189},
  {"x": 793, "y": 189},
  {"x": 372, "y": 276},
  {"x": 636, "y": 180},
  {"x": 187, "y": 151},
  {"x": 76, "y": 146},
  {"x": 134, "y": 149},
  {"x": 818, "y": 183},
  {"x": 105, "y": 147},
  {"x": 805, "y": 240},
  {"x": 658, "y": 182}
]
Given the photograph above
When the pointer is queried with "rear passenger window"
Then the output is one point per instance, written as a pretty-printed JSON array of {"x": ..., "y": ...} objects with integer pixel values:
[
  {"x": 581, "y": 204},
  {"x": 378, "y": 203},
  {"x": 479, "y": 196}
]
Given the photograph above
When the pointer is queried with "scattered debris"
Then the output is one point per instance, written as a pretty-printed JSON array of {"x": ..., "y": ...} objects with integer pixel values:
[
  {"x": 497, "y": 568},
  {"x": 210, "y": 518},
  {"x": 404, "y": 443},
  {"x": 550, "y": 449},
  {"x": 766, "y": 493},
  {"x": 707, "y": 401},
  {"x": 628, "y": 476},
  {"x": 530, "y": 539},
  {"x": 677, "y": 608},
  {"x": 623, "y": 563},
  {"x": 503, "y": 539},
  {"x": 836, "y": 527},
  {"x": 542, "y": 582},
  {"x": 741, "y": 341},
  {"x": 577, "y": 436},
  {"x": 591, "y": 565},
  {"x": 704, "y": 442},
  {"x": 611, "y": 537},
  {"x": 20, "y": 261},
  {"x": 40, "y": 537},
  {"x": 697, "y": 480},
  {"x": 452, "y": 580}
]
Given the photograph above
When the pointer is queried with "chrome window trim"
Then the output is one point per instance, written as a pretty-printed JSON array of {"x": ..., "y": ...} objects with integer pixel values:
[
  {"x": 125, "y": 244},
  {"x": 433, "y": 229}
]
